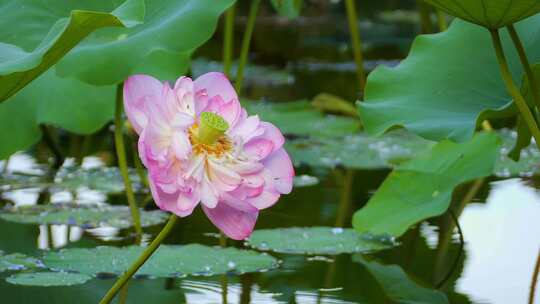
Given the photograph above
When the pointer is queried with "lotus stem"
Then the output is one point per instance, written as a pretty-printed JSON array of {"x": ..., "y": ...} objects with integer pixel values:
[
  {"x": 122, "y": 163},
  {"x": 246, "y": 41},
  {"x": 425, "y": 17},
  {"x": 460, "y": 252},
  {"x": 6, "y": 165},
  {"x": 533, "y": 85},
  {"x": 356, "y": 44},
  {"x": 140, "y": 261},
  {"x": 534, "y": 279},
  {"x": 345, "y": 198},
  {"x": 228, "y": 37},
  {"x": 512, "y": 88},
  {"x": 139, "y": 166},
  {"x": 441, "y": 19},
  {"x": 53, "y": 146}
]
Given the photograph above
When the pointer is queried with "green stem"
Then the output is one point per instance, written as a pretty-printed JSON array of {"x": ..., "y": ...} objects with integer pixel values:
[
  {"x": 228, "y": 37},
  {"x": 122, "y": 162},
  {"x": 222, "y": 239},
  {"x": 356, "y": 44},
  {"x": 140, "y": 261},
  {"x": 139, "y": 166},
  {"x": 534, "y": 279},
  {"x": 533, "y": 84},
  {"x": 6, "y": 165},
  {"x": 441, "y": 19},
  {"x": 124, "y": 294},
  {"x": 345, "y": 198},
  {"x": 53, "y": 146},
  {"x": 512, "y": 88},
  {"x": 246, "y": 40},
  {"x": 425, "y": 17},
  {"x": 224, "y": 280}
]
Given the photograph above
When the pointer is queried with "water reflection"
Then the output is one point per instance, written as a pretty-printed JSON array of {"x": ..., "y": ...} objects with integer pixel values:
[{"x": 503, "y": 239}]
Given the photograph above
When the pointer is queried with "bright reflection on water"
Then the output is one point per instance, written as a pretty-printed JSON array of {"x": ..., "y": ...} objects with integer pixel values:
[{"x": 503, "y": 239}]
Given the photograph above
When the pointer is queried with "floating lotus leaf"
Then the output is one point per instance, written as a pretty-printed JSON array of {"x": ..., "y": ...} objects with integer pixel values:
[
  {"x": 86, "y": 216},
  {"x": 167, "y": 261},
  {"x": 18, "y": 262},
  {"x": 317, "y": 240},
  {"x": 48, "y": 279}
]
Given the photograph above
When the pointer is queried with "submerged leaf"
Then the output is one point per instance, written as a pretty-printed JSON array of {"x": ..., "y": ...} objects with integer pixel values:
[
  {"x": 167, "y": 261},
  {"x": 398, "y": 287},
  {"x": 317, "y": 240},
  {"x": 85, "y": 216},
  {"x": 449, "y": 98},
  {"x": 48, "y": 279},
  {"x": 422, "y": 187},
  {"x": 18, "y": 67}
]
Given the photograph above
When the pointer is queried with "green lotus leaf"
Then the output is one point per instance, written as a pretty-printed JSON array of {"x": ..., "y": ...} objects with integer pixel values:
[
  {"x": 48, "y": 279},
  {"x": 64, "y": 102},
  {"x": 317, "y": 240},
  {"x": 53, "y": 39},
  {"x": 167, "y": 261},
  {"x": 86, "y": 216},
  {"x": 492, "y": 14},
  {"x": 422, "y": 187},
  {"x": 448, "y": 85},
  {"x": 398, "y": 286},
  {"x": 161, "y": 46}
]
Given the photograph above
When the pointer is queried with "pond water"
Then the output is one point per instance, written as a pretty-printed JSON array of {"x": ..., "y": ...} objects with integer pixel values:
[
  {"x": 499, "y": 226},
  {"x": 499, "y": 218}
]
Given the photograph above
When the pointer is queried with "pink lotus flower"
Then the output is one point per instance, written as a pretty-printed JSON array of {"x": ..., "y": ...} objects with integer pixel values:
[{"x": 200, "y": 146}]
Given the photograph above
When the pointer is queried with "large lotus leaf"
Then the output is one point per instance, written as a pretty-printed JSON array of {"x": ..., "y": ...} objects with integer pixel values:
[
  {"x": 398, "y": 286},
  {"x": 448, "y": 84},
  {"x": 67, "y": 103},
  {"x": 422, "y": 187},
  {"x": 167, "y": 261},
  {"x": 301, "y": 118},
  {"x": 86, "y": 216},
  {"x": 161, "y": 46},
  {"x": 316, "y": 240},
  {"x": 18, "y": 67},
  {"x": 48, "y": 279},
  {"x": 492, "y": 14},
  {"x": 357, "y": 151}
]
